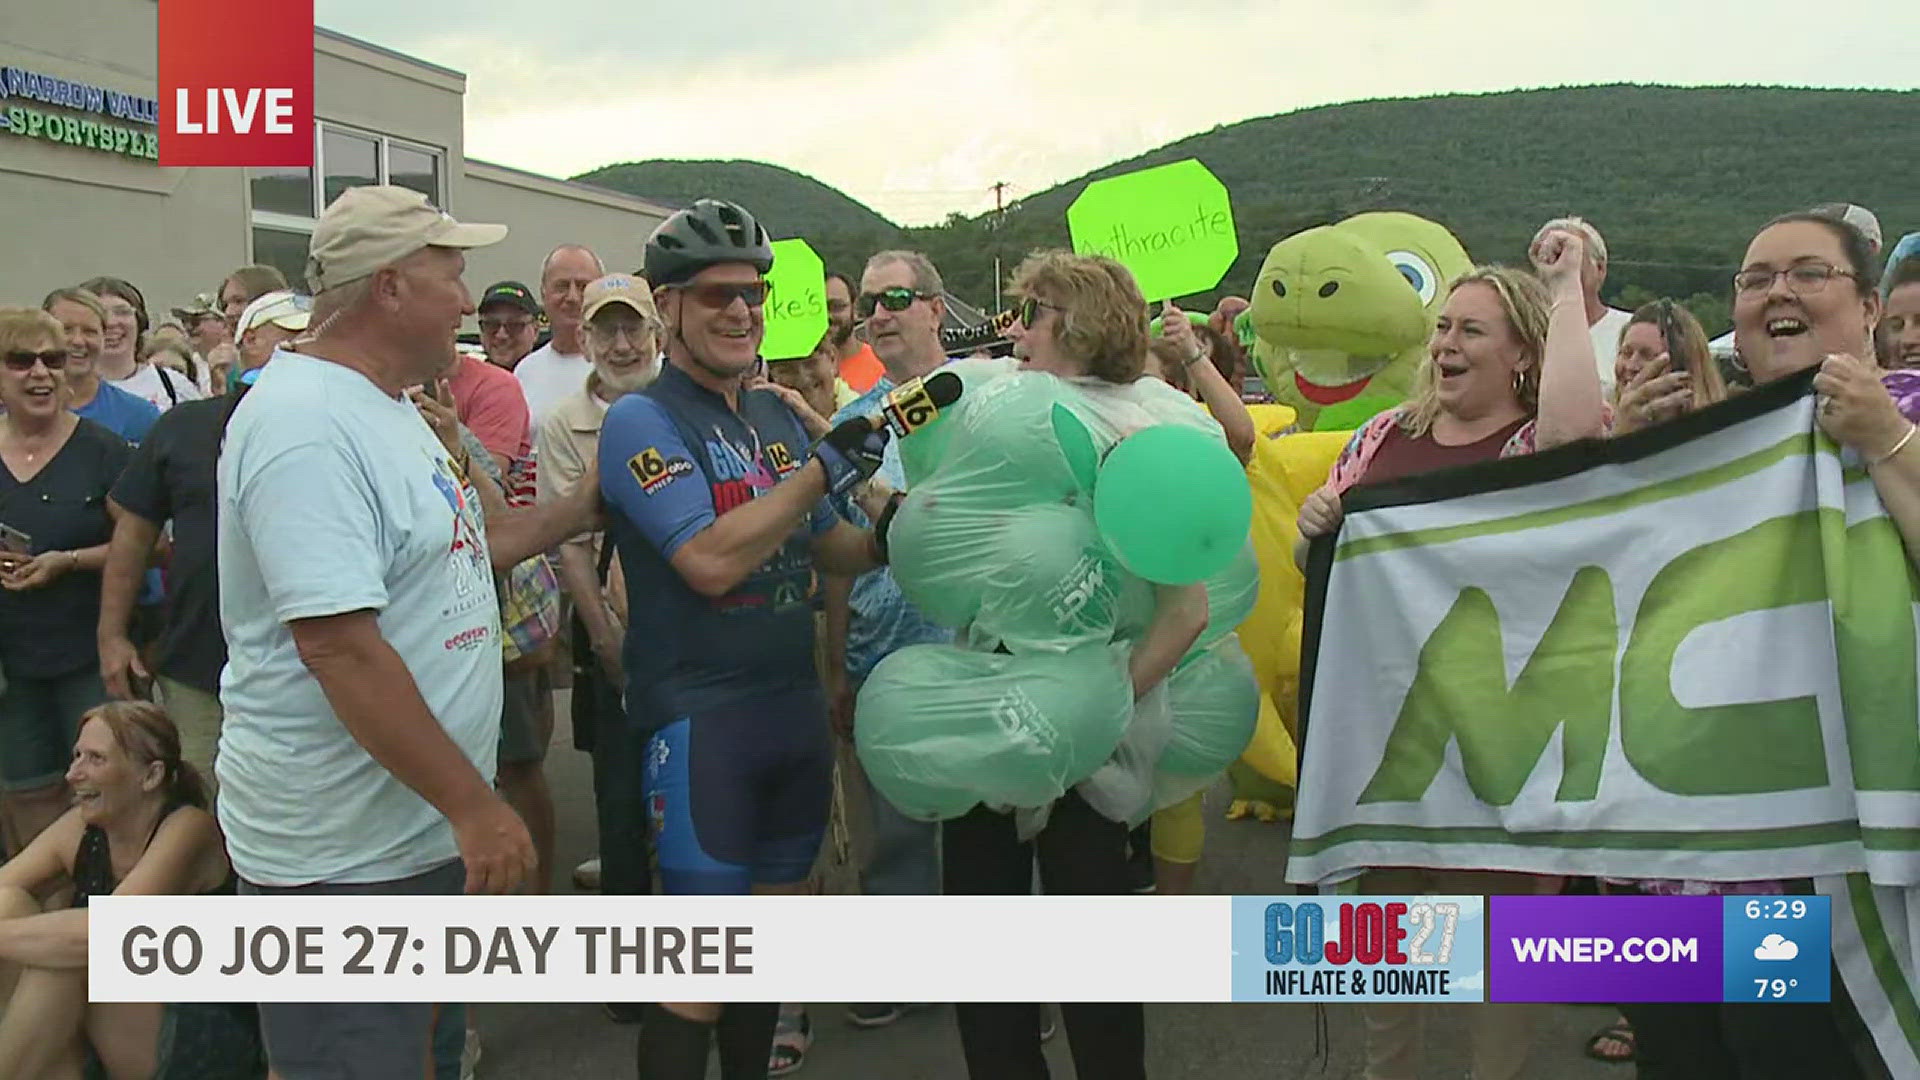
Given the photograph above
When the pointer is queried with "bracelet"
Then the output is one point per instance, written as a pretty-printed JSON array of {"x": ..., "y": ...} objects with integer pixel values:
[
  {"x": 73, "y": 558},
  {"x": 1897, "y": 447}
]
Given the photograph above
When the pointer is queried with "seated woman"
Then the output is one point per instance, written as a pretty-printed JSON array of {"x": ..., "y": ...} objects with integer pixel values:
[{"x": 139, "y": 826}]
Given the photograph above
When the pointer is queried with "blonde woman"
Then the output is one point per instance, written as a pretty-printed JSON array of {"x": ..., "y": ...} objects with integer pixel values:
[
  {"x": 57, "y": 471},
  {"x": 1510, "y": 370}
]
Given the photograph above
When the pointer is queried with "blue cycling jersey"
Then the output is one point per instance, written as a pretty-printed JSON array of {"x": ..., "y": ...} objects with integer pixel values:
[{"x": 673, "y": 458}]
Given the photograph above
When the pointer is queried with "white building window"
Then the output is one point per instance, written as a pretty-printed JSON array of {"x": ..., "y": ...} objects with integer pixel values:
[{"x": 285, "y": 201}]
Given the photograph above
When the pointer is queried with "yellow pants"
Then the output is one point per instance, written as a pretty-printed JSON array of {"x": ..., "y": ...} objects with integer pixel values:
[{"x": 1180, "y": 830}]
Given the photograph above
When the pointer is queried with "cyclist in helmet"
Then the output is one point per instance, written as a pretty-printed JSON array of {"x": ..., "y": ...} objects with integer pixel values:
[{"x": 719, "y": 511}]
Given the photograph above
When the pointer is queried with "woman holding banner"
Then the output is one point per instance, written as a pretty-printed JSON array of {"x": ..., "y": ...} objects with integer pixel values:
[
  {"x": 1510, "y": 370},
  {"x": 1789, "y": 315}
]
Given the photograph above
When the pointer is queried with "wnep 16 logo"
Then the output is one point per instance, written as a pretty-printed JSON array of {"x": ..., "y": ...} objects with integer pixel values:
[{"x": 1359, "y": 948}]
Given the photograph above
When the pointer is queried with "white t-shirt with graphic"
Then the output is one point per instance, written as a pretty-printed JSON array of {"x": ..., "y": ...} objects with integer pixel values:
[
  {"x": 549, "y": 377},
  {"x": 335, "y": 498},
  {"x": 145, "y": 384}
]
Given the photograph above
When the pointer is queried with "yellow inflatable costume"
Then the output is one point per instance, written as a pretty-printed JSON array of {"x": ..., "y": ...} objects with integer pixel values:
[{"x": 1342, "y": 314}]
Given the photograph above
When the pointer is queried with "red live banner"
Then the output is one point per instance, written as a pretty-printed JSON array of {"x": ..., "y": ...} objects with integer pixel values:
[{"x": 236, "y": 82}]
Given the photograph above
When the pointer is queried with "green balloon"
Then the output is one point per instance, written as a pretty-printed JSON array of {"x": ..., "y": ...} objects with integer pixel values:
[
  {"x": 935, "y": 546},
  {"x": 1215, "y": 702},
  {"x": 1173, "y": 504},
  {"x": 1076, "y": 442},
  {"x": 940, "y": 729}
]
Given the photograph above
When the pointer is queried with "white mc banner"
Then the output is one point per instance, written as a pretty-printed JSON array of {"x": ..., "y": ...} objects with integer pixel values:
[{"x": 1685, "y": 653}]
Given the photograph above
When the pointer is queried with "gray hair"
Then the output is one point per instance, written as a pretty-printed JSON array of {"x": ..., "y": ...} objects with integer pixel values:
[
  {"x": 1596, "y": 245},
  {"x": 925, "y": 278},
  {"x": 599, "y": 268}
]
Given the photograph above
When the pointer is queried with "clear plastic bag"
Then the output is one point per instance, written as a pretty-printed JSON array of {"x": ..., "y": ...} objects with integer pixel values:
[{"x": 941, "y": 729}]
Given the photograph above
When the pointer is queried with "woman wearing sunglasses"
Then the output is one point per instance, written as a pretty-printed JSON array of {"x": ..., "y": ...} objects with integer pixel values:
[
  {"x": 53, "y": 540},
  {"x": 1082, "y": 319}
]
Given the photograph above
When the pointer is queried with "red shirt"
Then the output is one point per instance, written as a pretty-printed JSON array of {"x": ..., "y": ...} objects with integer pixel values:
[
  {"x": 862, "y": 369},
  {"x": 1402, "y": 454},
  {"x": 490, "y": 403}
]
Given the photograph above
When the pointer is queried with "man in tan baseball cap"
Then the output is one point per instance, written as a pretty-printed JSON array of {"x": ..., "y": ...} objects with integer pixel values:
[{"x": 356, "y": 574}]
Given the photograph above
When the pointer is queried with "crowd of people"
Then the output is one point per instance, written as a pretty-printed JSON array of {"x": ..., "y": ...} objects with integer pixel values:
[{"x": 289, "y": 581}]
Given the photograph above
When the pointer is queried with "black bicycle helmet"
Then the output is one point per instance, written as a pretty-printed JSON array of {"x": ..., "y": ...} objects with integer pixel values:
[{"x": 708, "y": 233}]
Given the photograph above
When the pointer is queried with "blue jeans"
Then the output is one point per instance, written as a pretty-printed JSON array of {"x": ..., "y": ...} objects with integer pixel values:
[
  {"x": 39, "y": 720},
  {"x": 449, "y": 1041},
  {"x": 905, "y": 860}
]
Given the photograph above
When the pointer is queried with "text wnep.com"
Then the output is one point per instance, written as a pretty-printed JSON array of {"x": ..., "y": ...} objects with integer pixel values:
[{"x": 1597, "y": 950}]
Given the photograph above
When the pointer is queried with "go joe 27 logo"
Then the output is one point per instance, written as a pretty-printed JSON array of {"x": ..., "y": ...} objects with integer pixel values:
[{"x": 1373, "y": 948}]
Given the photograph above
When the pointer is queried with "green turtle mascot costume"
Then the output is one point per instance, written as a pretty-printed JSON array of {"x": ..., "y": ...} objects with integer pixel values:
[{"x": 1339, "y": 323}]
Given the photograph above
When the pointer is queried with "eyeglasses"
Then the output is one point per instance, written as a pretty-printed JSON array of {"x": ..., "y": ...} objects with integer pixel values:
[
  {"x": 898, "y": 298},
  {"x": 510, "y": 326},
  {"x": 718, "y": 296},
  {"x": 23, "y": 360},
  {"x": 607, "y": 333},
  {"x": 1803, "y": 279},
  {"x": 1030, "y": 311}
]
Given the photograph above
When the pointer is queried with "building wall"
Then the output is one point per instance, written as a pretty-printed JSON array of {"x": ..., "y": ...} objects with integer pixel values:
[
  {"x": 541, "y": 214},
  {"x": 68, "y": 213},
  {"x": 71, "y": 212}
]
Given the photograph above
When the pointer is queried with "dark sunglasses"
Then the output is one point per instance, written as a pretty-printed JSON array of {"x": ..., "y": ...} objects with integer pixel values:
[
  {"x": 1030, "y": 311},
  {"x": 898, "y": 298},
  {"x": 719, "y": 296},
  {"x": 22, "y": 360}
]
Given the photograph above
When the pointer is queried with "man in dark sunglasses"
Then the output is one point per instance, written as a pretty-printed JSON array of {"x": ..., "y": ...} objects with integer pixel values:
[
  {"x": 717, "y": 506},
  {"x": 867, "y": 618}
]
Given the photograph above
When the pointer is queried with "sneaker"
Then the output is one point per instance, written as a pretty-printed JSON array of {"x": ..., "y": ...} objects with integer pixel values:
[
  {"x": 587, "y": 875},
  {"x": 874, "y": 1015},
  {"x": 470, "y": 1055},
  {"x": 791, "y": 1039}
]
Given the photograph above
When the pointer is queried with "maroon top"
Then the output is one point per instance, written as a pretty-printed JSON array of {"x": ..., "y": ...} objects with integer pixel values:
[{"x": 1402, "y": 455}]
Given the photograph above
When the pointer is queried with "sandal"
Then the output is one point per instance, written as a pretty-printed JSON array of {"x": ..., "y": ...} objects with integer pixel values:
[
  {"x": 790, "y": 1042},
  {"x": 1620, "y": 1034}
]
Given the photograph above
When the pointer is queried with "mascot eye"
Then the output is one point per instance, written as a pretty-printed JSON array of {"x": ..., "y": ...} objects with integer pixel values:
[
  {"x": 1279, "y": 288},
  {"x": 1418, "y": 272}
]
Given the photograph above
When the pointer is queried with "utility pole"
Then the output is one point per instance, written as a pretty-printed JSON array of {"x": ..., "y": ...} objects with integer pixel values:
[{"x": 999, "y": 218}]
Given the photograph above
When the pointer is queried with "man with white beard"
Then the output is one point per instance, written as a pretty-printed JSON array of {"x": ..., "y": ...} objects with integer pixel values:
[{"x": 622, "y": 341}]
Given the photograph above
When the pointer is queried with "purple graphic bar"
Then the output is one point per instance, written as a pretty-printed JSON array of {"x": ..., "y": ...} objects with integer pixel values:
[{"x": 1604, "y": 948}]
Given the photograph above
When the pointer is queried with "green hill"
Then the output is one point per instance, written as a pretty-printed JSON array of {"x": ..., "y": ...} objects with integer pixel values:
[
  {"x": 1677, "y": 179},
  {"x": 843, "y": 230}
]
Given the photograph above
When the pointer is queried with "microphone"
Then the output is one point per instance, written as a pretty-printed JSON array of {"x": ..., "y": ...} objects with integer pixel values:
[{"x": 916, "y": 403}]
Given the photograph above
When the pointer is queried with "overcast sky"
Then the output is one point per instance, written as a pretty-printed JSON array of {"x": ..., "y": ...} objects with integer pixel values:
[{"x": 916, "y": 108}]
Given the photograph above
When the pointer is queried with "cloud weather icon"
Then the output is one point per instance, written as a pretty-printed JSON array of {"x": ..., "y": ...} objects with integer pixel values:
[{"x": 1775, "y": 947}]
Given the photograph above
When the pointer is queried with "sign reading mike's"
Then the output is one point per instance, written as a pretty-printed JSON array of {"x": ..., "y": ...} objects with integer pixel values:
[
  {"x": 236, "y": 83},
  {"x": 19, "y": 86}
]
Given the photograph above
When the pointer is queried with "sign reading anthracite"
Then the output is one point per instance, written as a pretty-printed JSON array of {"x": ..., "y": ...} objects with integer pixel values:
[{"x": 17, "y": 84}]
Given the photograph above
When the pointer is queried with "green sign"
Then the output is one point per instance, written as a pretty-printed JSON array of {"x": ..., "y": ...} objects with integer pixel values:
[
  {"x": 1171, "y": 225},
  {"x": 796, "y": 308},
  {"x": 19, "y": 84},
  {"x": 111, "y": 138}
]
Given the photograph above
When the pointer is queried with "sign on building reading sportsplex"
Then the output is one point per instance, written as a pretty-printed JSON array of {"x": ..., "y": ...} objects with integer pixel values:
[{"x": 19, "y": 86}]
